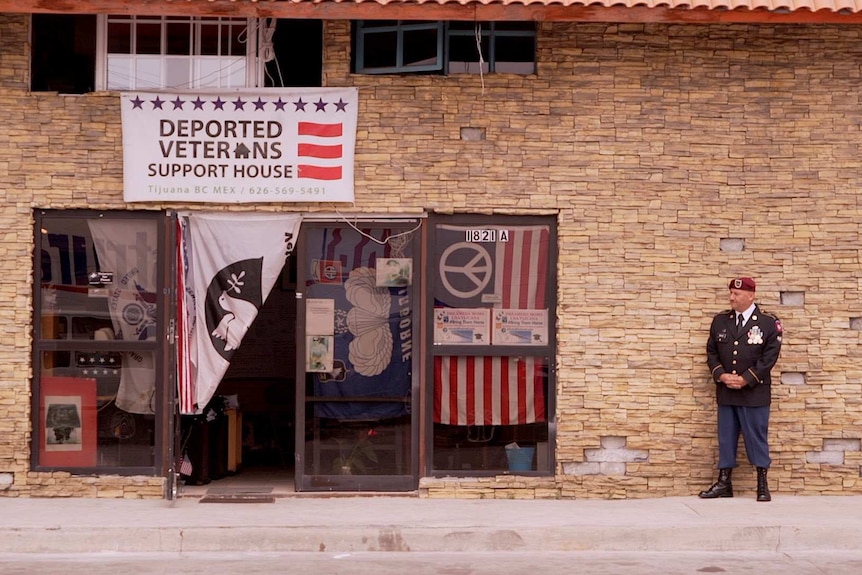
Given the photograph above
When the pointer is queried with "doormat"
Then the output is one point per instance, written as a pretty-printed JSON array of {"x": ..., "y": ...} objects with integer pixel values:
[{"x": 238, "y": 495}]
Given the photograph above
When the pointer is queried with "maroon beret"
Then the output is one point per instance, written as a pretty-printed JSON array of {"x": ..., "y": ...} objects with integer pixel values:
[{"x": 746, "y": 284}]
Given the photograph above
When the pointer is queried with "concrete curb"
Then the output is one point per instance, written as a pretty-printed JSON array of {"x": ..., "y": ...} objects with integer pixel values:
[{"x": 403, "y": 525}]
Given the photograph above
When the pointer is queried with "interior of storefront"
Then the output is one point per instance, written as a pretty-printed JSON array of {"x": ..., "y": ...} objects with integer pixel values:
[
  {"x": 350, "y": 402},
  {"x": 356, "y": 391},
  {"x": 249, "y": 440}
]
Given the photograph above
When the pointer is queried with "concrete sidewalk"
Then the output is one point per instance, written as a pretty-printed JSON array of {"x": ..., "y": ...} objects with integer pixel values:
[{"x": 341, "y": 524}]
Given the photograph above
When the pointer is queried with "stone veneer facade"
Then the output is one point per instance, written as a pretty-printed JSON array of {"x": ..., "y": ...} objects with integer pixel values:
[{"x": 674, "y": 157}]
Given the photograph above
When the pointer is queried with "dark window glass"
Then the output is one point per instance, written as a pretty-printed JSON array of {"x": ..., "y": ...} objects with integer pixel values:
[
  {"x": 119, "y": 37},
  {"x": 420, "y": 47},
  {"x": 179, "y": 38},
  {"x": 63, "y": 53},
  {"x": 148, "y": 39},
  {"x": 236, "y": 40},
  {"x": 381, "y": 50},
  {"x": 515, "y": 49},
  {"x": 463, "y": 49},
  {"x": 209, "y": 39},
  {"x": 406, "y": 46}
]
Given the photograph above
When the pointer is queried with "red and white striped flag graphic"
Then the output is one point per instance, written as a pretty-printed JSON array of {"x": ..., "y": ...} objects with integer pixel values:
[
  {"x": 185, "y": 321},
  {"x": 321, "y": 147},
  {"x": 490, "y": 390}
]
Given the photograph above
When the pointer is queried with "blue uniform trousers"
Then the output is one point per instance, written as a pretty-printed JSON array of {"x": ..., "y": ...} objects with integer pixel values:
[{"x": 753, "y": 422}]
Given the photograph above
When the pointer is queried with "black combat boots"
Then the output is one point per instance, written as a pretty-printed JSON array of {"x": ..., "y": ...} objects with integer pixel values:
[
  {"x": 723, "y": 487},
  {"x": 762, "y": 487}
]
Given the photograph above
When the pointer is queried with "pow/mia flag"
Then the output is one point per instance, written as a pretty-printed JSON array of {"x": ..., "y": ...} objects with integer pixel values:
[{"x": 231, "y": 263}]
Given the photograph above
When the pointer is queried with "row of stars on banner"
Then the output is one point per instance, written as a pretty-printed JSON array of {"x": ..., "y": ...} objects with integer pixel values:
[{"x": 239, "y": 104}]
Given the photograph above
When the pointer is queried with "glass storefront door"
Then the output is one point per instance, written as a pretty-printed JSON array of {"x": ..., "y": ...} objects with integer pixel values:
[{"x": 356, "y": 292}]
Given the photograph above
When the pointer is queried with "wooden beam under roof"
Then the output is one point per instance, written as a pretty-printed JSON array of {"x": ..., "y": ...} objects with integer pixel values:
[{"x": 374, "y": 10}]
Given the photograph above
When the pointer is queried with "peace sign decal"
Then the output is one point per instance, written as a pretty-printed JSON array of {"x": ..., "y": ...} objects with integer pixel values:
[{"x": 474, "y": 275}]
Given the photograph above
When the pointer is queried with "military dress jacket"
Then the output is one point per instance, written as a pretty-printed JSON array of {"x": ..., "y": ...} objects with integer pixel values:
[{"x": 750, "y": 353}]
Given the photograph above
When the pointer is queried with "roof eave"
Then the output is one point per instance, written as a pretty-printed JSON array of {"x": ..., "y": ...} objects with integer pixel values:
[{"x": 487, "y": 10}]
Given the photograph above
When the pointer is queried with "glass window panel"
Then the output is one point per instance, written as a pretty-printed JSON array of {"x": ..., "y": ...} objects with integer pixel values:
[
  {"x": 148, "y": 39},
  {"x": 463, "y": 49},
  {"x": 515, "y": 49},
  {"x": 468, "y": 67},
  {"x": 119, "y": 37},
  {"x": 374, "y": 447},
  {"x": 420, "y": 47},
  {"x": 97, "y": 409},
  {"x": 178, "y": 72},
  {"x": 500, "y": 266},
  {"x": 486, "y": 406},
  {"x": 96, "y": 386},
  {"x": 148, "y": 72},
  {"x": 515, "y": 67},
  {"x": 235, "y": 36},
  {"x": 236, "y": 72},
  {"x": 209, "y": 39},
  {"x": 508, "y": 47},
  {"x": 209, "y": 72},
  {"x": 179, "y": 38},
  {"x": 121, "y": 72},
  {"x": 380, "y": 50},
  {"x": 217, "y": 72},
  {"x": 490, "y": 296},
  {"x": 359, "y": 364},
  {"x": 98, "y": 275}
]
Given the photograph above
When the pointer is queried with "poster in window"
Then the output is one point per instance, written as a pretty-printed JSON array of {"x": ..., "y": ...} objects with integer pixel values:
[
  {"x": 520, "y": 327},
  {"x": 462, "y": 326},
  {"x": 320, "y": 316},
  {"x": 394, "y": 272},
  {"x": 320, "y": 354},
  {"x": 67, "y": 417}
]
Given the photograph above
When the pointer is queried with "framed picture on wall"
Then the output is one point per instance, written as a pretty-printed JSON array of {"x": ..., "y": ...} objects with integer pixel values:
[{"x": 68, "y": 413}]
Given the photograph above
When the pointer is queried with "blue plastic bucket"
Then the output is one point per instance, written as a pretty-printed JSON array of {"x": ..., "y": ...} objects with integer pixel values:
[{"x": 520, "y": 458}]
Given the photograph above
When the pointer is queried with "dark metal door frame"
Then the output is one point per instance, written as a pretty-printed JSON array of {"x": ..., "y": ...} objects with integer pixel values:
[{"x": 305, "y": 480}]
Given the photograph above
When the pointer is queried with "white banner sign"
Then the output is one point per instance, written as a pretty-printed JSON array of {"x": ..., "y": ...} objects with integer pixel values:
[{"x": 291, "y": 145}]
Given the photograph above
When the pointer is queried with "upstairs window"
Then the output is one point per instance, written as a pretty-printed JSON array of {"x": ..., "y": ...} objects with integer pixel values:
[
  {"x": 387, "y": 47},
  {"x": 492, "y": 47},
  {"x": 148, "y": 52},
  {"x": 398, "y": 47},
  {"x": 63, "y": 53},
  {"x": 75, "y": 54}
]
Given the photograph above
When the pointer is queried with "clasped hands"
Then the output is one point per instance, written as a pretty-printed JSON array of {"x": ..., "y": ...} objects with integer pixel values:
[{"x": 732, "y": 380}]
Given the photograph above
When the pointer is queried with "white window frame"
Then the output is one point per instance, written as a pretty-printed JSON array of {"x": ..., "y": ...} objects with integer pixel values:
[{"x": 253, "y": 65}]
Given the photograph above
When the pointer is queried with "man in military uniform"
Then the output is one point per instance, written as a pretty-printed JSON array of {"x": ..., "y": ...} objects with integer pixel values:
[{"x": 743, "y": 346}]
